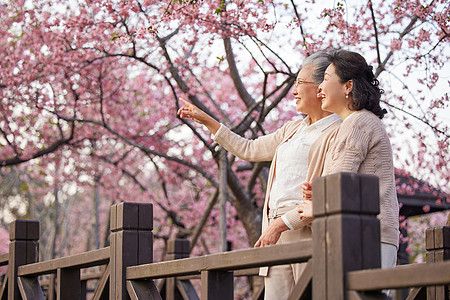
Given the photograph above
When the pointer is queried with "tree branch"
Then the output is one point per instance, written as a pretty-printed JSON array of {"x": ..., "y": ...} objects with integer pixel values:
[
  {"x": 377, "y": 42},
  {"x": 234, "y": 72}
]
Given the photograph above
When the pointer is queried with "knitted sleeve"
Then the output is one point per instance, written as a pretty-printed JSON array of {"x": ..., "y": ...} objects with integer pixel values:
[
  {"x": 295, "y": 221},
  {"x": 261, "y": 149},
  {"x": 351, "y": 146}
]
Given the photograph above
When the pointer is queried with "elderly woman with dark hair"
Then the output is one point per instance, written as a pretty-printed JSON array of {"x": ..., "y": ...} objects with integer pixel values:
[{"x": 360, "y": 144}]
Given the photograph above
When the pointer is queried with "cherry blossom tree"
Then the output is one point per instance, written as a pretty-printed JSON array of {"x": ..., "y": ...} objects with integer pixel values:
[{"x": 90, "y": 92}]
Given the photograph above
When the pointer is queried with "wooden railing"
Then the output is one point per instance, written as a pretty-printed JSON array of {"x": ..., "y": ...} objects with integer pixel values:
[{"x": 343, "y": 258}]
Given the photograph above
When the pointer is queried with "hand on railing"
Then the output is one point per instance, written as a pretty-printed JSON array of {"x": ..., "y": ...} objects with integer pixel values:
[
  {"x": 305, "y": 209},
  {"x": 306, "y": 190},
  {"x": 272, "y": 234}
]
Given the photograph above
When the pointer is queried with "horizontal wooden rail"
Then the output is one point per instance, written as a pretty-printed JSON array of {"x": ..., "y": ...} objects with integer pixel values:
[
  {"x": 413, "y": 275},
  {"x": 229, "y": 261},
  {"x": 4, "y": 259},
  {"x": 77, "y": 261},
  {"x": 237, "y": 273}
]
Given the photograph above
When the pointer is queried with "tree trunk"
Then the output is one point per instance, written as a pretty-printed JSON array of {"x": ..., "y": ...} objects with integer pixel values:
[{"x": 223, "y": 200}]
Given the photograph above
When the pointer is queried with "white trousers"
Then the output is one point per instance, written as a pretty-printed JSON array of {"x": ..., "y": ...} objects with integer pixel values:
[{"x": 388, "y": 260}]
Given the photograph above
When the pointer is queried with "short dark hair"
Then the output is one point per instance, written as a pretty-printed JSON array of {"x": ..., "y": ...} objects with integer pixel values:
[{"x": 365, "y": 94}]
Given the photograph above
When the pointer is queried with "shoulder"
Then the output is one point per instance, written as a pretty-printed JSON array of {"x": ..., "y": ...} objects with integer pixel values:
[
  {"x": 291, "y": 126},
  {"x": 362, "y": 120}
]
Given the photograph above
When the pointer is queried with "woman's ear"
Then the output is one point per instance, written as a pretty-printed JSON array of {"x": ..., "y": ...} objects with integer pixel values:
[{"x": 349, "y": 86}]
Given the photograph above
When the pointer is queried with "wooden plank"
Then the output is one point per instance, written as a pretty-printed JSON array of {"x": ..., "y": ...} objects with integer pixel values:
[
  {"x": 370, "y": 194},
  {"x": 32, "y": 230},
  {"x": 354, "y": 295},
  {"x": 4, "y": 259},
  {"x": 4, "y": 290},
  {"x": 171, "y": 292},
  {"x": 319, "y": 193},
  {"x": 68, "y": 284},
  {"x": 18, "y": 230},
  {"x": 30, "y": 289},
  {"x": 127, "y": 216},
  {"x": 440, "y": 256},
  {"x": 217, "y": 285},
  {"x": 237, "y": 273},
  {"x": 83, "y": 289},
  {"x": 431, "y": 290},
  {"x": 113, "y": 265},
  {"x": 101, "y": 291},
  {"x": 142, "y": 290},
  {"x": 413, "y": 275},
  {"x": 319, "y": 283},
  {"x": 370, "y": 242},
  {"x": 32, "y": 252},
  {"x": 91, "y": 275},
  {"x": 429, "y": 239},
  {"x": 417, "y": 293},
  {"x": 442, "y": 237},
  {"x": 51, "y": 291},
  {"x": 113, "y": 218},
  {"x": 82, "y": 260},
  {"x": 145, "y": 247},
  {"x": 17, "y": 257},
  {"x": 245, "y": 272},
  {"x": 344, "y": 251},
  {"x": 187, "y": 290},
  {"x": 126, "y": 255},
  {"x": 145, "y": 217},
  {"x": 233, "y": 260},
  {"x": 343, "y": 193},
  {"x": 303, "y": 282},
  {"x": 178, "y": 246}
]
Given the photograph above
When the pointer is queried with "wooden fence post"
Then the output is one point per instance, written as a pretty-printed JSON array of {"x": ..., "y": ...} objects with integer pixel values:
[
  {"x": 176, "y": 249},
  {"x": 131, "y": 243},
  {"x": 23, "y": 249},
  {"x": 437, "y": 241},
  {"x": 217, "y": 285},
  {"x": 346, "y": 231},
  {"x": 68, "y": 284}
]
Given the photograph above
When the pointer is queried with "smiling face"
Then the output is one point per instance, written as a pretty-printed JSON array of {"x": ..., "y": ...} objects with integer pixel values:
[
  {"x": 333, "y": 91},
  {"x": 305, "y": 92}
]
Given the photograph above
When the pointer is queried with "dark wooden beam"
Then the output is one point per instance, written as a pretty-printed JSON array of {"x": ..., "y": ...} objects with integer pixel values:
[
  {"x": 82, "y": 260},
  {"x": 413, "y": 275},
  {"x": 233, "y": 260}
]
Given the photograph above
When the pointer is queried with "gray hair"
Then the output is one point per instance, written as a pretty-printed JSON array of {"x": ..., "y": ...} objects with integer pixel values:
[{"x": 320, "y": 62}]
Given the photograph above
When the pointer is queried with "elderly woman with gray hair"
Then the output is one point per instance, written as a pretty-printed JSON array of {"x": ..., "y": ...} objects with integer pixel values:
[{"x": 289, "y": 148}]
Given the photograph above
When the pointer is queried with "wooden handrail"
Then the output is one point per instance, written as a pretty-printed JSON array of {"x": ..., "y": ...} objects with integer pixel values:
[
  {"x": 77, "y": 261},
  {"x": 413, "y": 275},
  {"x": 227, "y": 261}
]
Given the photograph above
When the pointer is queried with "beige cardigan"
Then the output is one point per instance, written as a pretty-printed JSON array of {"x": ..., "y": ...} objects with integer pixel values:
[
  {"x": 360, "y": 145},
  {"x": 264, "y": 148}
]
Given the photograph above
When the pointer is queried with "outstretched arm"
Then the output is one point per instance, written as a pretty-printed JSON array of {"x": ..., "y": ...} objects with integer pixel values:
[{"x": 193, "y": 112}]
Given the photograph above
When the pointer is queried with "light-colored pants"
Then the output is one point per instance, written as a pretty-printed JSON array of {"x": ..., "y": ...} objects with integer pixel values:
[
  {"x": 388, "y": 259},
  {"x": 281, "y": 279},
  {"x": 388, "y": 256}
]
